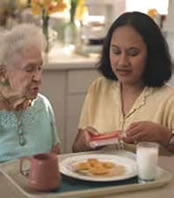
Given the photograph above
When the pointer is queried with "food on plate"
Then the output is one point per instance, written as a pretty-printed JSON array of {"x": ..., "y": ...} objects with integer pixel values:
[
  {"x": 108, "y": 164},
  {"x": 83, "y": 166},
  {"x": 98, "y": 170},
  {"x": 96, "y": 167},
  {"x": 93, "y": 162}
]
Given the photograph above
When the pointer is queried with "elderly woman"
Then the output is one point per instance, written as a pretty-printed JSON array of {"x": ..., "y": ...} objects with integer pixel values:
[
  {"x": 132, "y": 95},
  {"x": 27, "y": 123}
]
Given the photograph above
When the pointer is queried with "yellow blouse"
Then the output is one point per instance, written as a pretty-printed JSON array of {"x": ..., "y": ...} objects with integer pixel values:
[{"x": 102, "y": 107}]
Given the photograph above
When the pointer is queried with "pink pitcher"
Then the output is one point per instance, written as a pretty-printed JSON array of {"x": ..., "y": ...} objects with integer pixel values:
[{"x": 44, "y": 171}]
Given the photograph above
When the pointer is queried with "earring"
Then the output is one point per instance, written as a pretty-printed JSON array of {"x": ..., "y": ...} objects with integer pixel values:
[{"x": 5, "y": 83}]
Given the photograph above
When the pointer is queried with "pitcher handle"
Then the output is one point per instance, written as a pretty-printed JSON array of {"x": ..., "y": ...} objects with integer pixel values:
[{"x": 22, "y": 161}]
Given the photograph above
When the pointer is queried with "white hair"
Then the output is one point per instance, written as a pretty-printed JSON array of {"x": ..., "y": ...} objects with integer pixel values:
[{"x": 15, "y": 43}]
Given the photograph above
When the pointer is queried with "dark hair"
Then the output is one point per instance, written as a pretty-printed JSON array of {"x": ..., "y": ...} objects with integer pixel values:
[{"x": 158, "y": 69}]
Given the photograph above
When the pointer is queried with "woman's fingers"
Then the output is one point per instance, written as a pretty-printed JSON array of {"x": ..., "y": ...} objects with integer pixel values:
[
  {"x": 84, "y": 138},
  {"x": 136, "y": 138},
  {"x": 91, "y": 131},
  {"x": 133, "y": 130}
]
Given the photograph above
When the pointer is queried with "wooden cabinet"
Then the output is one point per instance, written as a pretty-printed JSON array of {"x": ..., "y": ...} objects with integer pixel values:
[{"x": 66, "y": 90}]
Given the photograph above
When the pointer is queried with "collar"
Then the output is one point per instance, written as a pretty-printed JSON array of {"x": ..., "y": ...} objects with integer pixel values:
[{"x": 139, "y": 102}]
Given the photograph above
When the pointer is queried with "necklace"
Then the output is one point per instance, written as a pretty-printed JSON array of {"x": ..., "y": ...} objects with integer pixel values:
[
  {"x": 18, "y": 114},
  {"x": 22, "y": 140}
]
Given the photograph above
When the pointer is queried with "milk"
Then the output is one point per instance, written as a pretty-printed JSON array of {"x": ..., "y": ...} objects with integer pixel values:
[{"x": 147, "y": 161}]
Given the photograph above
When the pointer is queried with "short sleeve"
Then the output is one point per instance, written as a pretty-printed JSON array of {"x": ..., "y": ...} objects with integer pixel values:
[
  {"x": 90, "y": 105},
  {"x": 84, "y": 117},
  {"x": 168, "y": 113}
]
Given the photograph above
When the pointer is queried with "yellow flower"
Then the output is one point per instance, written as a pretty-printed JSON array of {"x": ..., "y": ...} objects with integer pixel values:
[
  {"x": 152, "y": 12},
  {"x": 56, "y": 7},
  {"x": 81, "y": 9},
  {"x": 49, "y": 6}
]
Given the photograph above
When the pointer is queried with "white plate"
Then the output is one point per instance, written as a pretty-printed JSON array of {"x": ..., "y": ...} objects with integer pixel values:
[{"x": 66, "y": 167}]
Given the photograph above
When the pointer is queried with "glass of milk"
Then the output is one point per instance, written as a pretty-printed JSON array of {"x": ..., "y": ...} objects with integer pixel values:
[{"x": 147, "y": 160}]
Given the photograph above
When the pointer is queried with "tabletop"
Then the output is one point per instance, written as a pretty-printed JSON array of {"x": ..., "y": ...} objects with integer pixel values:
[{"x": 165, "y": 162}]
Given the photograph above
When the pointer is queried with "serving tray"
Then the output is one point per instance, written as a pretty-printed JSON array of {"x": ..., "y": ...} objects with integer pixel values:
[{"x": 74, "y": 188}]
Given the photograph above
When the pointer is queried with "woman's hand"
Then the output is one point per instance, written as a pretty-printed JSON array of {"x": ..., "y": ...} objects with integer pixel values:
[
  {"x": 81, "y": 142},
  {"x": 147, "y": 131}
]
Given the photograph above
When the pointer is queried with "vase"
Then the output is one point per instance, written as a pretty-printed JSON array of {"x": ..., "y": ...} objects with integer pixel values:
[
  {"x": 71, "y": 30},
  {"x": 45, "y": 24},
  {"x": 70, "y": 34}
]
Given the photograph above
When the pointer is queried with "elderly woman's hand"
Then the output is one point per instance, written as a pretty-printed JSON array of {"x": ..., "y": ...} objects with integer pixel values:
[
  {"x": 147, "y": 131},
  {"x": 82, "y": 140}
]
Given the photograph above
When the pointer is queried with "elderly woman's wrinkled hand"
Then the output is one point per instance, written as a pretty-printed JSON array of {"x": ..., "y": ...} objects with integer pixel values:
[{"x": 146, "y": 131}]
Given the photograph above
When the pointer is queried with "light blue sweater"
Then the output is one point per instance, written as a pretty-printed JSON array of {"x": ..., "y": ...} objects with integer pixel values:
[{"x": 38, "y": 126}]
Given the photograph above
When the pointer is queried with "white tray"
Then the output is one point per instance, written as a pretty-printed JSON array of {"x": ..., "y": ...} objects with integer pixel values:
[{"x": 11, "y": 172}]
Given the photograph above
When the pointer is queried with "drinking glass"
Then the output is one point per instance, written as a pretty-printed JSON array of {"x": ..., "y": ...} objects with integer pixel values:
[{"x": 147, "y": 161}]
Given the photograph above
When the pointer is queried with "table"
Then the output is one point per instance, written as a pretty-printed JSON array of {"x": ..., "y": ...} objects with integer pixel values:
[{"x": 166, "y": 162}]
